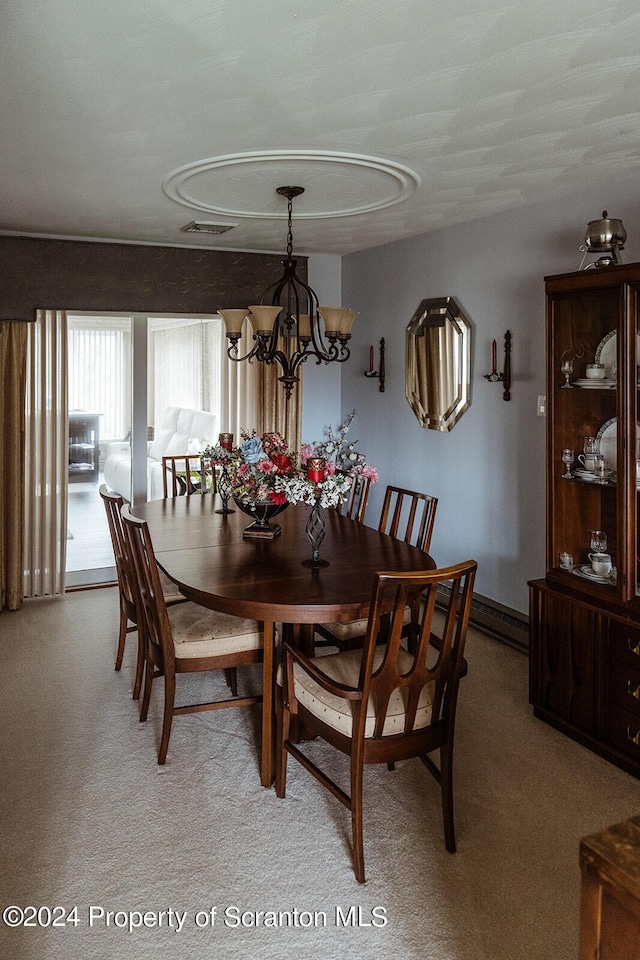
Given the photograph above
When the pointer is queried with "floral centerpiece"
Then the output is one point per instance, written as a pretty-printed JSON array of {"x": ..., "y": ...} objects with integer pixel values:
[
  {"x": 250, "y": 472},
  {"x": 326, "y": 489},
  {"x": 264, "y": 475},
  {"x": 255, "y": 466},
  {"x": 339, "y": 453}
]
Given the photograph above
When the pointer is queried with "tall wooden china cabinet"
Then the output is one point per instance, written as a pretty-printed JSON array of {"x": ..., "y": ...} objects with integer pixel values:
[{"x": 585, "y": 623}]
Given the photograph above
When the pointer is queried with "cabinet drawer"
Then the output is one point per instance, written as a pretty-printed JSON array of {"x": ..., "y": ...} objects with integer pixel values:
[
  {"x": 624, "y": 687},
  {"x": 624, "y": 731},
  {"x": 625, "y": 643}
]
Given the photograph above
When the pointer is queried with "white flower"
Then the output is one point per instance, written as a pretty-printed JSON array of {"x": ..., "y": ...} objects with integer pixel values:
[{"x": 329, "y": 492}]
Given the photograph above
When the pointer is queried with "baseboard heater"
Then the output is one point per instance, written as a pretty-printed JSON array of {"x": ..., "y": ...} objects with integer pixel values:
[{"x": 500, "y": 622}]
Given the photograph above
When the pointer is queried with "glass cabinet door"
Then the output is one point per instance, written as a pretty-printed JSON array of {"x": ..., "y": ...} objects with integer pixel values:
[
  {"x": 634, "y": 452},
  {"x": 586, "y": 468}
]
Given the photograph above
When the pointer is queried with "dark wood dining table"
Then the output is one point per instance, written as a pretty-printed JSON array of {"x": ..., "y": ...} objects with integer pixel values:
[{"x": 205, "y": 554}]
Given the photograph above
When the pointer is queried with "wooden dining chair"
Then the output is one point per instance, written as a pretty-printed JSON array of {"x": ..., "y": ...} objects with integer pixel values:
[
  {"x": 187, "y": 638},
  {"x": 127, "y": 583},
  {"x": 382, "y": 703},
  {"x": 185, "y": 475},
  {"x": 406, "y": 515},
  {"x": 355, "y": 506}
]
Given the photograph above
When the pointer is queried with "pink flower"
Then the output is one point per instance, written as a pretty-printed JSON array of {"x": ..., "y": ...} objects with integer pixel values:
[
  {"x": 370, "y": 472},
  {"x": 306, "y": 451},
  {"x": 265, "y": 466},
  {"x": 244, "y": 469},
  {"x": 330, "y": 468}
]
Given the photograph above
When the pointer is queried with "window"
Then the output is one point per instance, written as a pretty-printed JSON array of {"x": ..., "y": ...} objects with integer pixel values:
[
  {"x": 184, "y": 367},
  {"x": 99, "y": 352}
]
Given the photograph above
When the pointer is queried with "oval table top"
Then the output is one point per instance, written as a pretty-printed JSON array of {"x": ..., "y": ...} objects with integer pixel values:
[{"x": 205, "y": 554}]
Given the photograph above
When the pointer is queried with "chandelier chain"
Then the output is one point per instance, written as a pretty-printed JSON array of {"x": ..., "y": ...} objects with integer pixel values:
[{"x": 290, "y": 231}]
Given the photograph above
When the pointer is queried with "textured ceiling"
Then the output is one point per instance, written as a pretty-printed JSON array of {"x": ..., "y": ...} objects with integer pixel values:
[{"x": 419, "y": 113}]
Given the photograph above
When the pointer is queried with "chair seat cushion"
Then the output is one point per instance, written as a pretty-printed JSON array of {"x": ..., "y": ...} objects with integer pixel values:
[
  {"x": 338, "y": 713},
  {"x": 170, "y": 591},
  {"x": 355, "y": 628},
  {"x": 198, "y": 632}
]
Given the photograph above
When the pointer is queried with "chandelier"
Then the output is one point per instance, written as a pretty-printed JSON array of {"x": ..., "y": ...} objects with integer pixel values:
[{"x": 288, "y": 322}]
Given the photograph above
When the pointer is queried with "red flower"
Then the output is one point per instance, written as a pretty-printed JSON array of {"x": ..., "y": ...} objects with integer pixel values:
[
  {"x": 278, "y": 497},
  {"x": 283, "y": 463}
]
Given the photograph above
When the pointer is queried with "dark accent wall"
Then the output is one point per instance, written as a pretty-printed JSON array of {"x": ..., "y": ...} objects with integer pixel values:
[{"x": 78, "y": 275}]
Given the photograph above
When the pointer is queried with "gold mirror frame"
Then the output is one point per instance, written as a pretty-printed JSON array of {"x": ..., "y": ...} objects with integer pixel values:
[{"x": 438, "y": 363}]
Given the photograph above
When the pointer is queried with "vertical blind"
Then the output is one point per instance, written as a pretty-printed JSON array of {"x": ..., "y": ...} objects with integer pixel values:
[{"x": 99, "y": 364}]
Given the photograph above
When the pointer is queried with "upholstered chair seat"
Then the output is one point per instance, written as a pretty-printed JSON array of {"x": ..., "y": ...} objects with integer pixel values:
[
  {"x": 355, "y": 629},
  {"x": 338, "y": 713},
  {"x": 198, "y": 632}
]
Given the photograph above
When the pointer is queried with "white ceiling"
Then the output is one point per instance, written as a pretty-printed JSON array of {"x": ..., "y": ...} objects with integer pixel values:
[{"x": 432, "y": 112}]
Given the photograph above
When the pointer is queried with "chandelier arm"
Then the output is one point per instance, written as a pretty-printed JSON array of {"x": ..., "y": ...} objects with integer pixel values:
[
  {"x": 232, "y": 352},
  {"x": 325, "y": 352},
  {"x": 289, "y": 365}
]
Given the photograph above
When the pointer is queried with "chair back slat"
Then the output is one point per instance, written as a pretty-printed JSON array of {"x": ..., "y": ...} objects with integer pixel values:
[
  {"x": 185, "y": 475},
  {"x": 355, "y": 505},
  {"x": 435, "y": 651},
  {"x": 402, "y": 509}
]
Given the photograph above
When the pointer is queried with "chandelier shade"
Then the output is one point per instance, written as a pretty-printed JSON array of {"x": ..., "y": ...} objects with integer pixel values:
[{"x": 289, "y": 325}]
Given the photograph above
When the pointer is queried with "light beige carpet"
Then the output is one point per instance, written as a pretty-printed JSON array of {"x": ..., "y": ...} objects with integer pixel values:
[{"x": 90, "y": 821}]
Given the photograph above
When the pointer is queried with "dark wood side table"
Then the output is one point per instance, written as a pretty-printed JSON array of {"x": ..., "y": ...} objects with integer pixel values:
[
  {"x": 610, "y": 898},
  {"x": 84, "y": 446}
]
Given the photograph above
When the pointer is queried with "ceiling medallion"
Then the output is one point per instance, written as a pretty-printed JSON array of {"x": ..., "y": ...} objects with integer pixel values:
[{"x": 352, "y": 184}]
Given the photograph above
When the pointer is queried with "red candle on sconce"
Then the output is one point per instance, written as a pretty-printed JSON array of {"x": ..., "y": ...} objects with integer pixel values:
[
  {"x": 226, "y": 441},
  {"x": 494, "y": 357},
  {"x": 316, "y": 471}
]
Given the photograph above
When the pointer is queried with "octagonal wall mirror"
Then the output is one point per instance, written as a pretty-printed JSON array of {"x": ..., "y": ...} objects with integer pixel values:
[{"x": 438, "y": 362}]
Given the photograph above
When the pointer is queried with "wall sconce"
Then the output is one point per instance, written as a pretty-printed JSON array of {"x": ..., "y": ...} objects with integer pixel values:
[
  {"x": 505, "y": 376},
  {"x": 372, "y": 372}
]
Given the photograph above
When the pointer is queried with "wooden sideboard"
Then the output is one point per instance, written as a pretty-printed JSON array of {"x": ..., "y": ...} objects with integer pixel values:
[{"x": 610, "y": 895}]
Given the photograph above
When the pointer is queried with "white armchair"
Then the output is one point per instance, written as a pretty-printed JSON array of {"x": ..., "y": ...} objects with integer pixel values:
[{"x": 181, "y": 431}]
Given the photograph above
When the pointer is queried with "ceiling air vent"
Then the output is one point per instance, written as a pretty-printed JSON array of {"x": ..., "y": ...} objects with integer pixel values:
[{"x": 207, "y": 226}]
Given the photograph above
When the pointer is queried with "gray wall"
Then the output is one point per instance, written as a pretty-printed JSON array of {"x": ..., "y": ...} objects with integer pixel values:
[
  {"x": 322, "y": 383},
  {"x": 489, "y": 472}
]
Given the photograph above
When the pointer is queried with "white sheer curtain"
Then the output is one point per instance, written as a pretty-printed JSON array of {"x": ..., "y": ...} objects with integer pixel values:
[
  {"x": 46, "y": 463},
  {"x": 188, "y": 366},
  {"x": 184, "y": 363}
]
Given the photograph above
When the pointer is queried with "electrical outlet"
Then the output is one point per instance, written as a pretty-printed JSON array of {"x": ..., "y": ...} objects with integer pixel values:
[{"x": 542, "y": 406}]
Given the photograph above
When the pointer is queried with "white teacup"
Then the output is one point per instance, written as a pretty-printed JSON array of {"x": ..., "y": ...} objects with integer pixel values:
[
  {"x": 600, "y": 564},
  {"x": 595, "y": 371},
  {"x": 590, "y": 461}
]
